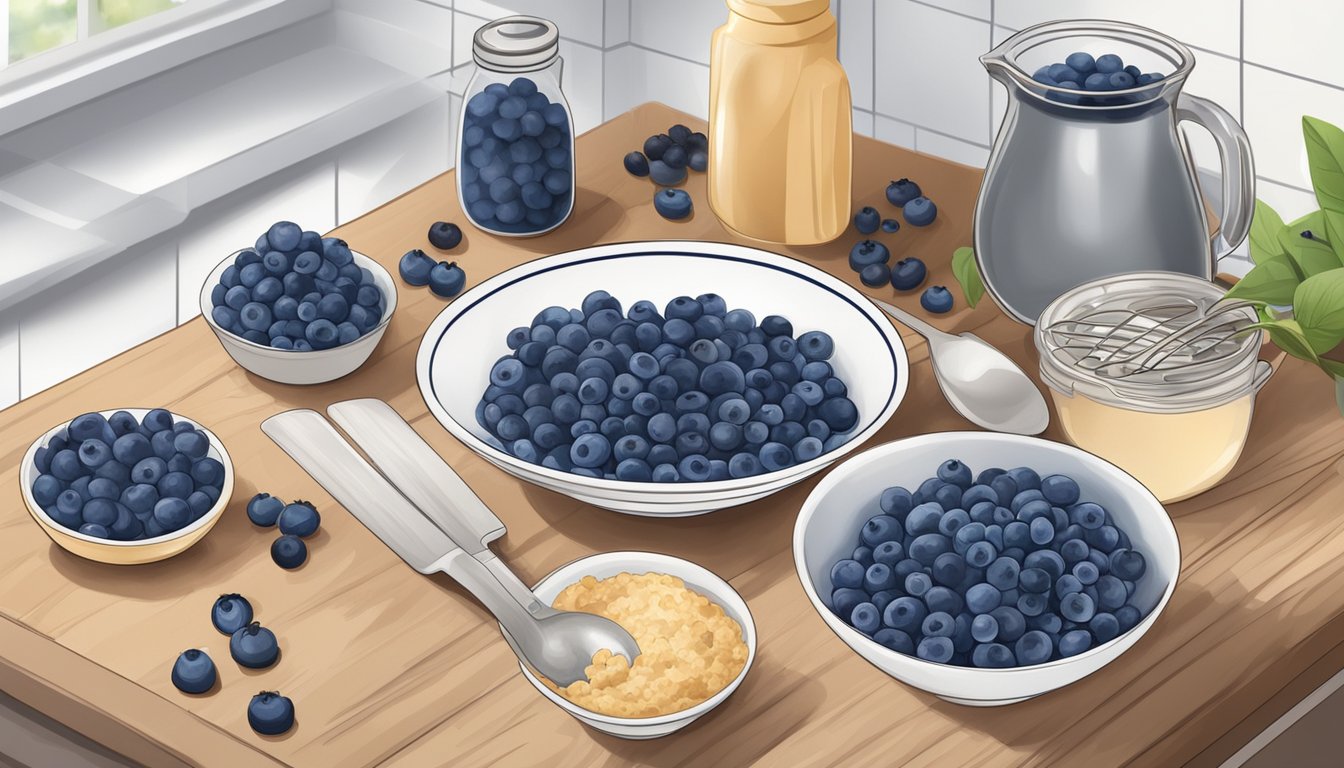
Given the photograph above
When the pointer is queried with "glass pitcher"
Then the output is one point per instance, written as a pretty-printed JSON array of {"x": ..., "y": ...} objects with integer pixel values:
[{"x": 1085, "y": 184}]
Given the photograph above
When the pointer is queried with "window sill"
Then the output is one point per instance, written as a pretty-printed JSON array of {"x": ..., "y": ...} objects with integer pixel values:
[{"x": 102, "y": 189}]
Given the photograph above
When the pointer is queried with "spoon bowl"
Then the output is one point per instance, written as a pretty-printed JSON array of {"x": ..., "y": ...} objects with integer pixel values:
[{"x": 980, "y": 382}]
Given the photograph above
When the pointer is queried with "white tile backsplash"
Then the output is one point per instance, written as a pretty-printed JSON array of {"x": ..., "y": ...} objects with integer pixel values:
[
  {"x": 856, "y": 49},
  {"x": 389, "y": 161},
  {"x": 1275, "y": 104},
  {"x": 980, "y": 9},
  {"x": 581, "y": 80},
  {"x": 305, "y": 196},
  {"x": 635, "y": 75},
  {"x": 894, "y": 132},
  {"x": 928, "y": 70},
  {"x": 681, "y": 29},
  {"x": 1301, "y": 37},
  {"x": 863, "y": 122},
  {"x": 580, "y": 20},
  {"x": 9, "y": 359},
  {"x": 97, "y": 314},
  {"x": 1290, "y": 203},
  {"x": 1210, "y": 24},
  {"x": 617, "y": 21},
  {"x": 953, "y": 149}
]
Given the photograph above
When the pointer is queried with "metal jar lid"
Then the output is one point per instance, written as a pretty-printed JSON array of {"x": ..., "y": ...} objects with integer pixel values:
[
  {"x": 1150, "y": 341},
  {"x": 516, "y": 44}
]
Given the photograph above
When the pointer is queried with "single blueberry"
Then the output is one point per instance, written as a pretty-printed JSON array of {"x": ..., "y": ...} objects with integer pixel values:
[
  {"x": 674, "y": 204},
  {"x": 194, "y": 672},
  {"x": 447, "y": 279},
  {"x": 269, "y": 713},
  {"x": 867, "y": 220},
  {"x": 865, "y": 253},
  {"x": 230, "y": 613},
  {"x": 920, "y": 212},
  {"x": 902, "y": 191},
  {"x": 936, "y": 299},
  {"x": 299, "y": 518},
  {"x": 254, "y": 646},
  {"x": 875, "y": 275},
  {"x": 908, "y": 274},
  {"x": 289, "y": 552}
]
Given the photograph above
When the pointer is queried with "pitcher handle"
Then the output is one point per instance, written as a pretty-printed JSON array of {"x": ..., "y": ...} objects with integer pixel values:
[{"x": 1238, "y": 169}]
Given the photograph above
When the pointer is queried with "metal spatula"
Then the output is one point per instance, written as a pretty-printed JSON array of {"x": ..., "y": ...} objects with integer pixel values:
[{"x": 558, "y": 644}]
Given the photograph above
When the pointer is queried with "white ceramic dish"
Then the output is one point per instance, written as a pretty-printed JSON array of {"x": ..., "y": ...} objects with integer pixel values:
[
  {"x": 127, "y": 552},
  {"x": 697, "y": 578},
  {"x": 294, "y": 367},
  {"x": 459, "y": 347},
  {"x": 828, "y": 526}
]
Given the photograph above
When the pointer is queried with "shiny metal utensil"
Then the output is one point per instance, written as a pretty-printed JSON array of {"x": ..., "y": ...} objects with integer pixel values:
[
  {"x": 979, "y": 381},
  {"x": 558, "y": 644}
]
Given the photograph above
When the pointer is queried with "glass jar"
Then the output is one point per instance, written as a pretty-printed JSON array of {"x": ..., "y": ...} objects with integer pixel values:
[
  {"x": 1155, "y": 373},
  {"x": 515, "y": 143}
]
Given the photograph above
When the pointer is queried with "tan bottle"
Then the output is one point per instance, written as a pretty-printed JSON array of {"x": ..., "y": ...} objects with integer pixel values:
[{"x": 780, "y": 123}]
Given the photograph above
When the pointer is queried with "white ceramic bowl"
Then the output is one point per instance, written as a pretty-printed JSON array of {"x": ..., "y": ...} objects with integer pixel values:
[
  {"x": 697, "y": 578},
  {"x": 830, "y": 519},
  {"x": 127, "y": 552},
  {"x": 460, "y": 346},
  {"x": 295, "y": 367}
]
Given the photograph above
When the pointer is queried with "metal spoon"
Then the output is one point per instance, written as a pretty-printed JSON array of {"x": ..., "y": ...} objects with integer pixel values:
[{"x": 979, "y": 381}]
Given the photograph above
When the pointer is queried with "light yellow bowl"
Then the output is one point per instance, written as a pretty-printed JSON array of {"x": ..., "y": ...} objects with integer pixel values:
[{"x": 127, "y": 552}]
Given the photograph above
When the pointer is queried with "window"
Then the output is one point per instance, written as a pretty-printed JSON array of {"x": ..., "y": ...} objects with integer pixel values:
[{"x": 40, "y": 25}]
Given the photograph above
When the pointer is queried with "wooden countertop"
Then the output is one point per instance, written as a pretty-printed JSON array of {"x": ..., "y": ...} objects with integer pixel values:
[{"x": 387, "y": 667}]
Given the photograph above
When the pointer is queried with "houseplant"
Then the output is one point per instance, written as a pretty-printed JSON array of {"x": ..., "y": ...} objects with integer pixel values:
[{"x": 1297, "y": 283}]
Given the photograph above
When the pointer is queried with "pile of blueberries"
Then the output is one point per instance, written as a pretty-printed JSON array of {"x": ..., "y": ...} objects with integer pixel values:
[
  {"x": 516, "y": 169},
  {"x": 252, "y": 646},
  {"x": 297, "y": 521},
  {"x": 121, "y": 479},
  {"x": 694, "y": 393},
  {"x": 665, "y": 160},
  {"x": 869, "y": 258},
  {"x": 1080, "y": 71},
  {"x": 297, "y": 290},
  {"x": 1006, "y": 569}
]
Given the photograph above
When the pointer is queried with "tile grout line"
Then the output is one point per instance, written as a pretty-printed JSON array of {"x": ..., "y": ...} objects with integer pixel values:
[
  {"x": 946, "y": 10},
  {"x": 872, "y": 81},
  {"x": 669, "y": 55},
  {"x": 1241, "y": 65}
]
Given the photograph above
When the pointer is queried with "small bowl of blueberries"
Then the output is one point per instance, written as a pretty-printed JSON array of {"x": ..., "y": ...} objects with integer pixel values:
[
  {"x": 983, "y": 568},
  {"x": 298, "y": 308},
  {"x": 665, "y": 378},
  {"x": 128, "y": 486}
]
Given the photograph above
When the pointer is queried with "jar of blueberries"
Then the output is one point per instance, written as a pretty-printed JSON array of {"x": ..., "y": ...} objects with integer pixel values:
[{"x": 515, "y": 146}]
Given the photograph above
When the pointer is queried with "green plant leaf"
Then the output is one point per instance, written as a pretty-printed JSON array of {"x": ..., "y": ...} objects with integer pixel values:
[
  {"x": 1325, "y": 156},
  {"x": 1271, "y": 282},
  {"x": 968, "y": 274},
  {"x": 1318, "y": 253},
  {"x": 1287, "y": 335},
  {"x": 1333, "y": 367},
  {"x": 1318, "y": 308},
  {"x": 1265, "y": 228}
]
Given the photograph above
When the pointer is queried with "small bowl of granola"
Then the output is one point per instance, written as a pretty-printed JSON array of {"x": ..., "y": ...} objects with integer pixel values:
[{"x": 696, "y": 636}]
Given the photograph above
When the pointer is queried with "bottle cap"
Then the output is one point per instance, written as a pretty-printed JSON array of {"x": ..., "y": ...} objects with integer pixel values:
[
  {"x": 516, "y": 43},
  {"x": 779, "y": 11}
]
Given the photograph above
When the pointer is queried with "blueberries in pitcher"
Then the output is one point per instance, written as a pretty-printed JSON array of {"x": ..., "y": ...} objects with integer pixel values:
[
  {"x": 936, "y": 299},
  {"x": 979, "y": 596},
  {"x": 867, "y": 220},
  {"x": 514, "y": 136},
  {"x": 1081, "y": 62},
  {"x": 672, "y": 204},
  {"x": 908, "y": 274},
  {"x": 1108, "y": 72}
]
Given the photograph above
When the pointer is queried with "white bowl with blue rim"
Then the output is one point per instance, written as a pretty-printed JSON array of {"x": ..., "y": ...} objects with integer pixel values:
[
  {"x": 463, "y": 342},
  {"x": 828, "y": 526}
]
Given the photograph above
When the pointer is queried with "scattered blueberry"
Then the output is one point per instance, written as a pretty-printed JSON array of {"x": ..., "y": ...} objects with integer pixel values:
[
  {"x": 931, "y": 579},
  {"x": 270, "y": 714},
  {"x": 666, "y": 175},
  {"x": 692, "y": 393},
  {"x": 289, "y": 551},
  {"x": 868, "y": 252},
  {"x": 637, "y": 164},
  {"x": 875, "y": 275},
  {"x": 891, "y": 225},
  {"x": 299, "y": 519},
  {"x": 194, "y": 672},
  {"x": 674, "y": 204},
  {"x": 264, "y": 509},
  {"x": 445, "y": 236},
  {"x": 254, "y": 646},
  {"x": 920, "y": 212},
  {"x": 902, "y": 191},
  {"x": 415, "y": 266},
  {"x": 936, "y": 299},
  {"x": 867, "y": 220},
  {"x": 447, "y": 279},
  {"x": 908, "y": 274},
  {"x": 231, "y": 613}
]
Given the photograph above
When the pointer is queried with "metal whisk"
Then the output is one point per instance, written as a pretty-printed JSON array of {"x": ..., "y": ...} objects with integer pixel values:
[{"x": 1166, "y": 336}]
